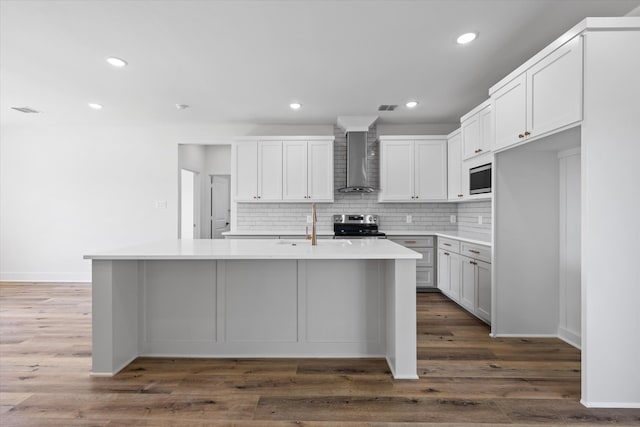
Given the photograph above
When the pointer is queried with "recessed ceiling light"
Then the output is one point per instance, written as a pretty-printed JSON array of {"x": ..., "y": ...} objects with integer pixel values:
[
  {"x": 182, "y": 106},
  {"x": 295, "y": 105},
  {"x": 411, "y": 104},
  {"x": 467, "y": 38},
  {"x": 96, "y": 106},
  {"x": 116, "y": 62}
]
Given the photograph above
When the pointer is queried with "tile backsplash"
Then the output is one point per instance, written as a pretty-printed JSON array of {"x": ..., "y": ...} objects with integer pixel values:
[{"x": 393, "y": 216}]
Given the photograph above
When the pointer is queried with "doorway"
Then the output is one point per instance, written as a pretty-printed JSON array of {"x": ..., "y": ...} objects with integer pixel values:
[
  {"x": 188, "y": 204},
  {"x": 220, "y": 205}
]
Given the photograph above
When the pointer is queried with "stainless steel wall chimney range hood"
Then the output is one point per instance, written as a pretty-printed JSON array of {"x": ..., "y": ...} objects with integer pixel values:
[{"x": 358, "y": 174}]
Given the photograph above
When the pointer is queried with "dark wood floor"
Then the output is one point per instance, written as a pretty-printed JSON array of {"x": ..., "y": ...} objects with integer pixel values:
[{"x": 466, "y": 378}]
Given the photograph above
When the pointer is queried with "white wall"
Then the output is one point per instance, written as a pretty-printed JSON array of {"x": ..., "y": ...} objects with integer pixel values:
[
  {"x": 525, "y": 261},
  {"x": 66, "y": 191},
  {"x": 570, "y": 301},
  {"x": 610, "y": 226}
]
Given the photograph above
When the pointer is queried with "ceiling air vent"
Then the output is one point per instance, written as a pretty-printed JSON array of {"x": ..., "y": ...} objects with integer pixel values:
[
  {"x": 387, "y": 107},
  {"x": 26, "y": 110}
]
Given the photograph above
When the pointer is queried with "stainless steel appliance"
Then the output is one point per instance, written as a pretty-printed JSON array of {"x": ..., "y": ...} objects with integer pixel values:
[
  {"x": 480, "y": 179},
  {"x": 356, "y": 226}
]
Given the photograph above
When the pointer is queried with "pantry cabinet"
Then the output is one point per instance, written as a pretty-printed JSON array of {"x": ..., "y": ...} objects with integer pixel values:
[
  {"x": 283, "y": 169},
  {"x": 413, "y": 168},
  {"x": 545, "y": 98}
]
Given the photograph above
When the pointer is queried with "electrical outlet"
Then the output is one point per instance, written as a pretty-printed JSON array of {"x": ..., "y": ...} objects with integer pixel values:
[
  {"x": 452, "y": 219},
  {"x": 161, "y": 204},
  {"x": 309, "y": 219},
  {"x": 409, "y": 219},
  {"x": 479, "y": 219}
]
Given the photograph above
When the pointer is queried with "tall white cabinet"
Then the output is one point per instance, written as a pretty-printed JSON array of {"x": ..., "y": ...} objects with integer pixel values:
[
  {"x": 283, "y": 169},
  {"x": 413, "y": 168}
]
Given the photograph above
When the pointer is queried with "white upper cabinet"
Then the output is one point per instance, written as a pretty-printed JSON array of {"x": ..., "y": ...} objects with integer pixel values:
[
  {"x": 308, "y": 171},
  {"x": 545, "y": 98},
  {"x": 290, "y": 169},
  {"x": 245, "y": 164},
  {"x": 477, "y": 131},
  {"x": 294, "y": 172},
  {"x": 454, "y": 166},
  {"x": 269, "y": 170},
  {"x": 320, "y": 171},
  {"x": 413, "y": 168}
]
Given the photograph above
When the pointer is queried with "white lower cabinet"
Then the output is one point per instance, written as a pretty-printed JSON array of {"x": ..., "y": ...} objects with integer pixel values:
[
  {"x": 424, "y": 267},
  {"x": 466, "y": 280}
]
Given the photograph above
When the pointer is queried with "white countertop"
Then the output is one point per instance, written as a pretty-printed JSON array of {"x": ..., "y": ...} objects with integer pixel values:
[
  {"x": 202, "y": 249},
  {"x": 466, "y": 236},
  {"x": 326, "y": 232}
]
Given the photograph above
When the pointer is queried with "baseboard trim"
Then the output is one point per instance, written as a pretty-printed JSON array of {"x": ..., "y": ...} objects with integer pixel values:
[
  {"x": 628, "y": 405},
  {"x": 570, "y": 337},
  {"x": 525, "y": 335},
  {"x": 55, "y": 277}
]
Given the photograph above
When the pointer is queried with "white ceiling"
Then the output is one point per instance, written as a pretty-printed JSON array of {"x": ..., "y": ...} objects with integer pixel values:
[{"x": 245, "y": 61}]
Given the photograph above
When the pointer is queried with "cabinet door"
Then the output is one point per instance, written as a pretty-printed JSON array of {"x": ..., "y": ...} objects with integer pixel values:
[
  {"x": 294, "y": 170},
  {"x": 424, "y": 277},
  {"x": 509, "y": 113},
  {"x": 454, "y": 168},
  {"x": 444, "y": 270},
  {"x": 483, "y": 291},
  {"x": 246, "y": 170},
  {"x": 320, "y": 171},
  {"x": 430, "y": 170},
  {"x": 470, "y": 136},
  {"x": 454, "y": 289},
  {"x": 554, "y": 90},
  {"x": 468, "y": 286},
  {"x": 270, "y": 170},
  {"x": 485, "y": 118},
  {"x": 396, "y": 171}
]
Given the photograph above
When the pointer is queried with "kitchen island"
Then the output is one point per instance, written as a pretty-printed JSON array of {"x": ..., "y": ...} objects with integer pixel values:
[{"x": 255, "y": 298}]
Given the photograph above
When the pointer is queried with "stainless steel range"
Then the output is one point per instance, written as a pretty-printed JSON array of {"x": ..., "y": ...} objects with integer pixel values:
[{"x": 356, "y": 226}]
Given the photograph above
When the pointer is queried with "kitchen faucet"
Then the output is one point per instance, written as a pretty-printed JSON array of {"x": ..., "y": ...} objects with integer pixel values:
[{"x": 314, "y": 219}]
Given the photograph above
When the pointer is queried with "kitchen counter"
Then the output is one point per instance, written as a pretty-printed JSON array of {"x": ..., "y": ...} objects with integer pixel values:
[
  {"x": 255, "y": 298},
  {"x": 465, "y": 236},
  {"x": 208, "y": 249}
]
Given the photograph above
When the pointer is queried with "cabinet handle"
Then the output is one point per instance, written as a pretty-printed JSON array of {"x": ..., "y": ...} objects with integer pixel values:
[
  {"x": 473, "y": 262},
  {"x": 417, "y": 197},
  {"x": 410, "y": 241},
  {"x": 527, "y": 133},
  {"x": 520, "y": 136},
  {"x": 447, "y": 253},
  {"x": 478, "y": 150},
  {"x": 474, "y": 252},
  {"x": 459, "y": 195},
  {"x": 446, "y": 244},
  {"x": 255, "y": 197}
]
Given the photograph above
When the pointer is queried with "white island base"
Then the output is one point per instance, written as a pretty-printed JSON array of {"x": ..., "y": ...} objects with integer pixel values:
[{"x": 216, "y": 299}]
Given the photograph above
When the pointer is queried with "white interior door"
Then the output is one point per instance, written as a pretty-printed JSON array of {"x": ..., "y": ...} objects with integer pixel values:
[
  {"x": 188, "y": 204},
  {"x": 220, "y": 205}
]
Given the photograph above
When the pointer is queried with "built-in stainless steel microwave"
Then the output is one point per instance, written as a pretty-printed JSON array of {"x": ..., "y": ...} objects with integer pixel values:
[{"x": 480, "y": 179}]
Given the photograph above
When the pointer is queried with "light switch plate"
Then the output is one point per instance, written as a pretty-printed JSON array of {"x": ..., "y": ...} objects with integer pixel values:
[
  {"x": 309, "y": 219},
  {"x": 452, "y": 219},
  {"x": 479, "y": 219},
  {"x": 409, "y": 219}
]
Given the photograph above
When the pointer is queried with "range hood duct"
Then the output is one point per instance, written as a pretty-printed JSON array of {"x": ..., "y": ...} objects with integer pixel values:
[{"x": 357, "y": 167}]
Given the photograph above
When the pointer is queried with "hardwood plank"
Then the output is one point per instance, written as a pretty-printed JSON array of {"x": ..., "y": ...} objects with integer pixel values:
[{"x": 467, "y": 378}]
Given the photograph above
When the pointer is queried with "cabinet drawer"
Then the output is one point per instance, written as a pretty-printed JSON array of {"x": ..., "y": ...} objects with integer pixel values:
[
  {"x": 482, "y": 253},
  {"x": 427, "y": 257},
  {"x": 424, "y": 278},
  {"x": 449, "y": 245},
  {"x": 413, "y": 242}
]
